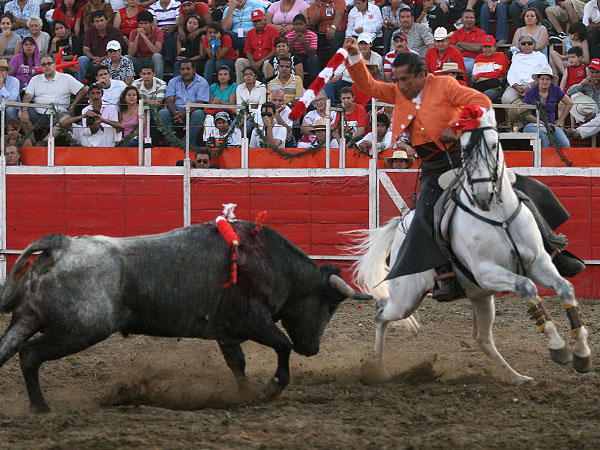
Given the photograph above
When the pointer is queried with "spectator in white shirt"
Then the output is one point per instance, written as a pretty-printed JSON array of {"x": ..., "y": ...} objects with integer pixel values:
[
  {"x": 92, "y": 135},
  {"x": 112, "y": 88},
  {"x": 365, "y": 17},
  {"x": 108, "y": 111},
  {"x": 384, "y": 136},
  {"x": 273, "y": 134}
]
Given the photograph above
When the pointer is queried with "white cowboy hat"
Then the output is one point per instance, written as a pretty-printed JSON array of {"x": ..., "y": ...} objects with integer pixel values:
[
  {"x": 400, "y": 154},
  {"x": 582, "y": 106},
  {"x": 440, "y": 34},
  {"x": 546, "y": 70}
]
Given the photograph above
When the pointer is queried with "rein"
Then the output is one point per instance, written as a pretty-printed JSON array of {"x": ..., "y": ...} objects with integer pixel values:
[{"x": 495, "y": 179}]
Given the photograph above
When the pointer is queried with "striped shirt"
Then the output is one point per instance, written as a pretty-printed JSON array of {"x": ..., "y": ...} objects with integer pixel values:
[
  {"x": 156, "y": 92},
  {"x": 167, "y": 16},
  {"x": 311, "y": 40},
  {"x": 292, "y": 90},
  {"x": 31, "y": 9}
]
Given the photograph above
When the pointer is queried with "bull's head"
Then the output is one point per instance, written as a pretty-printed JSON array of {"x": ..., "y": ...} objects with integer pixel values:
[{"x": 305, "y": 320}]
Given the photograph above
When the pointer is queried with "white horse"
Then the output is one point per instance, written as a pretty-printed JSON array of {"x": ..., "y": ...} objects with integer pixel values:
[{"x": 485, "y": 249}]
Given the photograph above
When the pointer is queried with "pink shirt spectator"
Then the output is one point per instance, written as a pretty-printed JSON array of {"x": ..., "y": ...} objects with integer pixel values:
[
  {"x": 286, "y": 18},
  {"x": 143, "y": 50},
  {"x": 311, "y": 40}
]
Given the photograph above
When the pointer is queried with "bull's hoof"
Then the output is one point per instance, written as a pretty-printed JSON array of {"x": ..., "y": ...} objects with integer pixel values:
[
  {"x": 561, "y": 355},
  {"x": 273, "y": 389},
  {"x": 41, "y": 408},
  {"x": 373, "y": 372},
  {"x": 582, "y": 365}
]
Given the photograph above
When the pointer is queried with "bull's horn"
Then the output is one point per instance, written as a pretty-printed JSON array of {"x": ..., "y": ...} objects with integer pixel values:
[{"x": 340, "y": 285}]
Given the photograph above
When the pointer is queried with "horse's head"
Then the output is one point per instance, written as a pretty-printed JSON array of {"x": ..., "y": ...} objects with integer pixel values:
[{"x": 482, "y": 157}]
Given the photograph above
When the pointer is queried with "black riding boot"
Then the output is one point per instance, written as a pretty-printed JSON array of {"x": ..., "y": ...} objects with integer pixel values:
[
  {"x": 568, "y": 264},
  {"x": 446, "y": 286}
]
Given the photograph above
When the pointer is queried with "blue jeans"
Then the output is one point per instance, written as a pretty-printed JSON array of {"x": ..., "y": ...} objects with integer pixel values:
[
  {"x": 156, "y": 60},
  {"x": 469, "y": 63},
  {"x": 332, "y": 90},
  {"x": 196, "y": 122},
  {"x": 313, "y": 66},
  {"x": 211, "y": 67},
  {"x": 502, "y": 16},
  {"x": 170, "y": 46},
  {"x": 515, "y": 11},
  {"x": 559, "y": 135},
  {"x": 238, "y": 42},
  {"x": 86, "y": 66}
]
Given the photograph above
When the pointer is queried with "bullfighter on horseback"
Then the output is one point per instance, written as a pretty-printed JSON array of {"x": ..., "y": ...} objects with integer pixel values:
[{"x": 426, "y": 107}]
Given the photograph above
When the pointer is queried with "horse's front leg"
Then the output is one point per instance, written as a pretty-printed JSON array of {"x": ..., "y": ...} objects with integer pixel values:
[
  {"x": 544, "y": 273},
  {"x": 484, "y": 319}
]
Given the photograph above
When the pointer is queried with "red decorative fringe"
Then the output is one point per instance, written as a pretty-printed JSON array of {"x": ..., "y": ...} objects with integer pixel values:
[
  {"x": 317, "y": 85},
  {"x": 227, "y": 231},
  {"x": 298, "y": 110},
  {"x": 259, "y": 221},
  {"x": 337, "y": 59},
  {"x": 469, "y": 118},
  {"x": 233, "y": 269}
]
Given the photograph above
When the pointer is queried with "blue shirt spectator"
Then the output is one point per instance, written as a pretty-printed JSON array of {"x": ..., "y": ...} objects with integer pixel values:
[
  {"x": 30, "y": 9},
  {"x": 197, "y": 91},
  {"x": 239, "y": 21}
]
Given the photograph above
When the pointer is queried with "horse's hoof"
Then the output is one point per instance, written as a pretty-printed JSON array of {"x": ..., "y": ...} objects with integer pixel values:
[
  {"x": 582, "y": 365},
  {"x": 520, "y": 380},
  {"x": 273, "y": 389},
  {"x": 561, "y": 355}
]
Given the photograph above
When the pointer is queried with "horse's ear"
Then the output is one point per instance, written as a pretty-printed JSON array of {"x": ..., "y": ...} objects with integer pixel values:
[{"x": 490, "y": 115}]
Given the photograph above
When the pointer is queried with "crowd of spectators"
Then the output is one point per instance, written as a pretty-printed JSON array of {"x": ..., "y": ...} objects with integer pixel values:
[{"x": 264, "y": 54}]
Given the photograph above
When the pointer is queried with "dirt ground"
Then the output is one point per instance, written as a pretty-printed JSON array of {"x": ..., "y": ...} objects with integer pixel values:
[{"x": 143, "y": 392}]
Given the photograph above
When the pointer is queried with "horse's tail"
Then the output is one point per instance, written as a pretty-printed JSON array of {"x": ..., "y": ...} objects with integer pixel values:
[{"x": 372, "y": 248}]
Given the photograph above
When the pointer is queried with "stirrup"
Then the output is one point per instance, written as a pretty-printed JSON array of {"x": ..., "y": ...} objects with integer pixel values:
[{"x": 446, "y": 287}]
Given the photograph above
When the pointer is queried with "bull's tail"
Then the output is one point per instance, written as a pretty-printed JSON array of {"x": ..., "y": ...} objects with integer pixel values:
[
  {"x": 13, "y": 288},
  {"x": 372, "y": 248}
]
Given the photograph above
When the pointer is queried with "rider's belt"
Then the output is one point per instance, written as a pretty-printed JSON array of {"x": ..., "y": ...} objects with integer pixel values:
[{"x": 435, "y": 159}]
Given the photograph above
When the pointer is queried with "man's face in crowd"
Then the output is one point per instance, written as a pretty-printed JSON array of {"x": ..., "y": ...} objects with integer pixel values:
[
  {"x": 299, "y": 26},
  {"x": 48, "y": 66},
  {"x": 278, "y": 99},
  {"x": 347, "y": 99},
  {"x": 222, "y": 125},
  {"x": 188, "y": 8},
  {"x": 103, "y": 78},
  {"x": 259, "y": 24},
  {"x": 441, "y": 45},
  {"x": 381, "y": 129},
  {"x": 400, "y": 44},
  {"x": 100, "y": 23},
  {"x": 285, "y": 69},
  {"x": 406, "y": 19},
  {"x": 409, "y": 84},
  {"x": 3, "y": 73},
  {"x": 146, "y": 26},
  {"x": 203, "y": 160},
  {"x": 147, "y": 74},
  {"x": 12, "y": 155},
  {"x": 187, "y": 71},
  {"x": 95, "y": 96},
  {"x": 573, "y": 59},
  {"x": 488, "y": 50},
  {"x": 364, "y": 47},
  {"x": 468, "y": 20},
  {"x": 399, "y": 163}
]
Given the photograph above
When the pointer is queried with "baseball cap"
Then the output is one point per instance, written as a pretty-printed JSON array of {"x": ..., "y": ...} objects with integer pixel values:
[
  {"x": 257, "y": 14},
  {"x": 488, "y": 40},
  {"x": 223, "y": 115},
  {"x": 594, "y": 64},
  {"x": 188, "y": 1},
  {"x": 399, "y": 33},
  {"x": 113, "y": 45},
  {"x": 365, "y": 37}
]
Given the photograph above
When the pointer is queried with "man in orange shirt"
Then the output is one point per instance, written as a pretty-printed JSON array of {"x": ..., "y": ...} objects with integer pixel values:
[{"x": 425, "y": 106}]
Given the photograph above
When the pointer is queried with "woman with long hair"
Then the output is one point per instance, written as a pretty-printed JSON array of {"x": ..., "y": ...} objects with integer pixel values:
[
  {"x": 128, "y": 115},
  {"x": 10, "y": 42},
  {"x": 218, "y": 47},
  {"x": 533, "y": 26},
  {"x": 282, "y": 48},
  {"x": 70, "y": 13},
  {"x": 26, "y": 62},
  {"x": 577, "y": 38},
  {"x": 187, "y": 47},
  {"x": 222, "y": 93},
  {"x": 69, "y": 43}
]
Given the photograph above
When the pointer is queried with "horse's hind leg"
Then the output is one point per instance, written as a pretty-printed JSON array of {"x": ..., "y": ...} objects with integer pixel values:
[
  {"x": 485, "y": 314},
  {"x": 544, "y": 273}
]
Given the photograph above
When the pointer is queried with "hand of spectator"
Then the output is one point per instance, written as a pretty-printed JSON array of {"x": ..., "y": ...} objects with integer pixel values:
[
  {"x": 358, "y": 30},
  {"x": 365, "y": 145},
  {"x": 268, "y": 121},
  {"x": 90, "y": 113},
  {"x": 232, "y": 5},
  {"x": 279, "y": 110},
  {"x": 178, "y": 117},
  {"x": 589, "y": 117},
  {"x": 180, "y": 58},
  {"x": 559, "y": 123},
  {"x": 330, "y": 33},
  {"x": 522, "y": 3},
  {"x": 23, "y": 116},
  {"x": 192, "y": 35},
  {"x": 97, "y": 61},
  {"x": 351, "y": 46},
  {"x": 300, "y": 37},
  {"x": 217, "y": 101},
  {"x": 283, "y": 30},
  {"x": 589, "y": 82},
  {"x": 258, "y": 65}
]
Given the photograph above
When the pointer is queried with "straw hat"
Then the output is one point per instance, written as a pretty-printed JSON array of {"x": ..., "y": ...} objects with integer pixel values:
[
  {"x": 546, "y": 70},
  {"x": 320, "y": 124},
  {"x": 400, "y": 154},
  {"x": 516, "y": 115},
  {"x": 4, "y": 65},
  {"x": 450, "y": 67},
  {"x": 582, "y": 106}
]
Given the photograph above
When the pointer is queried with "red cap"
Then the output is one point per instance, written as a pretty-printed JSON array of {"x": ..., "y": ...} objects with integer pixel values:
[
  {"x": 488, "y": 40},
  {"x": 257, "y": 14},
  {"x": 594, "y": 64}
]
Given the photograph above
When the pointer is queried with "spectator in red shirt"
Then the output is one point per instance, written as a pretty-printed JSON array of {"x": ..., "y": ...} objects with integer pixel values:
[
  {"x": 468, "y": 40},
  {"x": 303, "y": 44},
  {"x": 218, "y": 46},
  {"x": 126, "y": 18},
  {"x": 95, "y": 40},
  {"x": 201, "y": 9},
  {"x": 329, "y": 18},
  {"x": 451, "y": 69},
  {"x": 71, "y": 14},
  {"x": 355, "y": 118},
  {"x": 489, "y": 71},
  {"x": 259, "y": 45},
  {"x": 442, "y": 53},
  {"x": 146, "y": 43}
]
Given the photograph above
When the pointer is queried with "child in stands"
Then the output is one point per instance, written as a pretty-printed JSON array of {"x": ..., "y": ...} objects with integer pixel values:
[{"x": 574, "y": 73}]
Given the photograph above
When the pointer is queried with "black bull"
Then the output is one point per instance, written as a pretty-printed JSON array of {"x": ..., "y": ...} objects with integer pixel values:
[{"x": 81, "y": 290}]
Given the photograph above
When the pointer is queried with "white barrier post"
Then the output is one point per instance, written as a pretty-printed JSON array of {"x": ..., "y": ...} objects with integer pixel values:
[
  {"x": 342, "y": 141},
  {"x": 328, "y": 134},
  {"x": 140, "y": 133},
  {"x": 148, "y": 141},
  {"x": 245, "y": 143},
  {"x": 374, "y": 130},
  {"x": 51, "y": 138}
]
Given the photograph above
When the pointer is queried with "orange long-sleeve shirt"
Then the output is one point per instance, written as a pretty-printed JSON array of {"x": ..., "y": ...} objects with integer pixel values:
[{"x": 441, "y": 102}]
